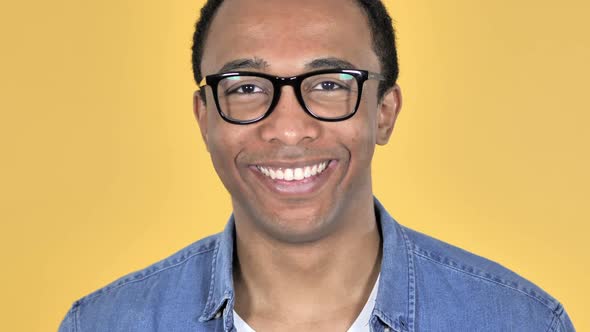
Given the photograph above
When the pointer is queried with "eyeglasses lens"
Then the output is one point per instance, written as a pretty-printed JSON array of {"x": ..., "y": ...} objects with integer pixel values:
[
  {"x": 330, "y": 96},
  {"x": 244, "y": 98}
]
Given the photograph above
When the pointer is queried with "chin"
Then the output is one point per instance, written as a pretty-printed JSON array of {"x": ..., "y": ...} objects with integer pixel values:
[{"x": 296, "y": 230}]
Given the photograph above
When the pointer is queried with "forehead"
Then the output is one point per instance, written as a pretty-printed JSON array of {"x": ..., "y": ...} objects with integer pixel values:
[{"x": 286, "y": 35}]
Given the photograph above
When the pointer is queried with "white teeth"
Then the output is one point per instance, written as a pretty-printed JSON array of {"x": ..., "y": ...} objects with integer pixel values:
[
  {"x": 314, "y": 170},
  {"x": 294, "y": 174},
  {"x": 298, "y": 174}
]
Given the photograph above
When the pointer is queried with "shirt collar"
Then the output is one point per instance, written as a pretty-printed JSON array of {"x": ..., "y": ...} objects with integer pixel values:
[
  {"x": 396, "y": 295},
  {"x": 220, "y": 297}
]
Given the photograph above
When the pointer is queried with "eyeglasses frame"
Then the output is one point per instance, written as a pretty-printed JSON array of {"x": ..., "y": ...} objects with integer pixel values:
[{"x": 278, "y": 82}]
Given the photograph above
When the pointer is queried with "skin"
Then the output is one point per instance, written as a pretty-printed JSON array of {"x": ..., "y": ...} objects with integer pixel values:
[{"x": 318, "y": 249}]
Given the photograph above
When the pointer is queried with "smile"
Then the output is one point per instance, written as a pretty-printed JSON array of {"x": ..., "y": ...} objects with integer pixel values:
[{"x": 293, "y": 174}]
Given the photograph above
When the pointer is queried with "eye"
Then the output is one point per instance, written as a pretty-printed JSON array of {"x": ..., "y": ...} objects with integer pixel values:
[
  {"x": 245, "y": 89},
  {"x": 328, "y": 86}
]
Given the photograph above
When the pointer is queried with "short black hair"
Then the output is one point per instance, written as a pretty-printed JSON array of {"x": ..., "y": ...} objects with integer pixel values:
[{"x": 379, "y": 22}]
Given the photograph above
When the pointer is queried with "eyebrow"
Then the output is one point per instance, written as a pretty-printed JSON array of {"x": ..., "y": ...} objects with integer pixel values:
[
  {"x": 260, "y": 64},
  {"x": 254, "y": 63},
  {"x": 330, "y": 62}
]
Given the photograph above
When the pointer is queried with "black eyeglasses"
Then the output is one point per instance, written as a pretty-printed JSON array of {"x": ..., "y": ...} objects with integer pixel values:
[{"x": 327, "y": 95}]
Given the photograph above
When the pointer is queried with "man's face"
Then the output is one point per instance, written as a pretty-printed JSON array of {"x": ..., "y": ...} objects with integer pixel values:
[{"x": 287, "y": 38}]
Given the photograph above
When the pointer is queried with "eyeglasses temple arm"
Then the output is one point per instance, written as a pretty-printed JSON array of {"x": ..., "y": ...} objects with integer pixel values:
[
  {"x": 376, "y": 76},
  {"x": 202, "y": 83}
]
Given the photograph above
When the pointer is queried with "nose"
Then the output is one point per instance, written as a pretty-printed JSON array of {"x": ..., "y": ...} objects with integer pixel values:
[{"x": 289, "y": 124}]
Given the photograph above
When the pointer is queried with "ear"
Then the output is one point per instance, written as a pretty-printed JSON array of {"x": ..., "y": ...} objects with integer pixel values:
[
  {"x": 200, "y": 112},
  {"x": 388, "y": 109}
]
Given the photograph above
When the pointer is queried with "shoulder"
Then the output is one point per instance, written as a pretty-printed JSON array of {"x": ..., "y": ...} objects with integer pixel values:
[
  {"x": 179, "y": 281},
  {"x": 188, "y": 259},
  {"x": 468, "y": 284},
  {"x": 449, "y": 258}
]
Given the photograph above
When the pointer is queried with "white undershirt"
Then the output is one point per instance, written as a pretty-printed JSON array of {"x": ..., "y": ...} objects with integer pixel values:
[{"x": 361, "y": 323}]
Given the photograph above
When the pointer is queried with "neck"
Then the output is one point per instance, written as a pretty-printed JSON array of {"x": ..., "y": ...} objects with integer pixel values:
[{"x": 323, "y": 280}]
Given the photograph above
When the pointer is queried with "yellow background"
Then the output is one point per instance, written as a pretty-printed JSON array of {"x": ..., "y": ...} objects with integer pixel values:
[{"x": 103, "y": 171}]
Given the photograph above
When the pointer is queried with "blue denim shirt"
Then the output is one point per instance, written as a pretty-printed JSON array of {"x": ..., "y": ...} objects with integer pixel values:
[{"x": 425, "y": 285}]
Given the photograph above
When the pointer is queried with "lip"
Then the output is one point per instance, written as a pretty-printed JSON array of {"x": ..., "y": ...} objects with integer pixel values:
[{"x": 304, "y": 187}]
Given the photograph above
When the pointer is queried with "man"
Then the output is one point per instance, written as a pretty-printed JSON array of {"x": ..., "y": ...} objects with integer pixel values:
[{"x": 293, "y": 97}]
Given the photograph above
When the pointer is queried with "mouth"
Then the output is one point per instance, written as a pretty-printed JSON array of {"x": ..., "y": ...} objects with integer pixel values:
[
  {"x": 294, "y": 174},
  {"x": 301, "y": 179}
]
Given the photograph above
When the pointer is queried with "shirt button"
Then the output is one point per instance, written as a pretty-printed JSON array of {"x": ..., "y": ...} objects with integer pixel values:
[
  {"x": 387, "y": 329},
  {"x": 218, "y": 314}
]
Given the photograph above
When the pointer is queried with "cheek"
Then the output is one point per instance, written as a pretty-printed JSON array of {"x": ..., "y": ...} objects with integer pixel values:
[
  {"x": 365, "y": 144},
  {"x": 223, "y": 147},
  {"x": 363, "y": 132},
  {"x": 224, "y": 139},
  {"x": 359, "y": 139},
  {"x": 228, "y": 145}
]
